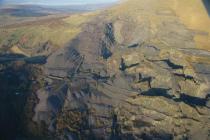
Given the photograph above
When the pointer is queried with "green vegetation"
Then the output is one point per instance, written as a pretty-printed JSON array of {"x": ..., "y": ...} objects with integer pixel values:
[{"x": 58, "y": 31}]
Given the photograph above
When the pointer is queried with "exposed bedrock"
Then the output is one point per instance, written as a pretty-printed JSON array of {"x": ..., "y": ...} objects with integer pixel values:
[
  {"x": 101, "y": 86},
  {"x": 131, "y": 73}
]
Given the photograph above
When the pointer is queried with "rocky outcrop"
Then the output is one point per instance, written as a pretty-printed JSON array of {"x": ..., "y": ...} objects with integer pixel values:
[
  {"x": 51, "y": 101},
  {"x": 63, "y": 63},
  {"x": 123, "y": 79},
  {"x": 133, "y": 92},
  {"x": 105, "y": 51}
]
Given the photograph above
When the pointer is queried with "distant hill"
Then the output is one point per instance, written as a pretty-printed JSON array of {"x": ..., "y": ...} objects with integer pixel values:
[{"x": 44, "y": 10}]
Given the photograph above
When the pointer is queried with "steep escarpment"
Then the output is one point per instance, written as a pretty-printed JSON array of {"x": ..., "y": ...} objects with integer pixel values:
[
  {"x": 100, "y": 87},
  {"x": 133, "y": 72}
]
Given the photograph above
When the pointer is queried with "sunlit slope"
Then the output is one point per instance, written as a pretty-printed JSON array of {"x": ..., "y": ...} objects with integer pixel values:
[
  {"x": 195, "y": 16},
  {"x": 154, "y": 13},
  {"x": 29, "y": 36}
]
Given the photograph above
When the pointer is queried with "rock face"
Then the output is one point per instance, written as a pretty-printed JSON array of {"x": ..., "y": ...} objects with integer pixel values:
[
  {"x": 125, "y": 78},
  {"x": 102, "y": 89}
]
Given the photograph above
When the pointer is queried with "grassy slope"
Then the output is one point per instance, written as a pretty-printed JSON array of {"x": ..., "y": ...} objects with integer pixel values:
[
  {"x": 195, "y": 16},
  {"x": 62, "y": 30},
  {"x": 57, "y": 31},
  {"x": 191, "y": 13},
  {"x": 158, "y": 17}
]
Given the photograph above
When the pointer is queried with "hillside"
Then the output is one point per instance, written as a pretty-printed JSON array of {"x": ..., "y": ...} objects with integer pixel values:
[
  {"x": 137, "y": 70},
  {"x": 31, "y": 36}
]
